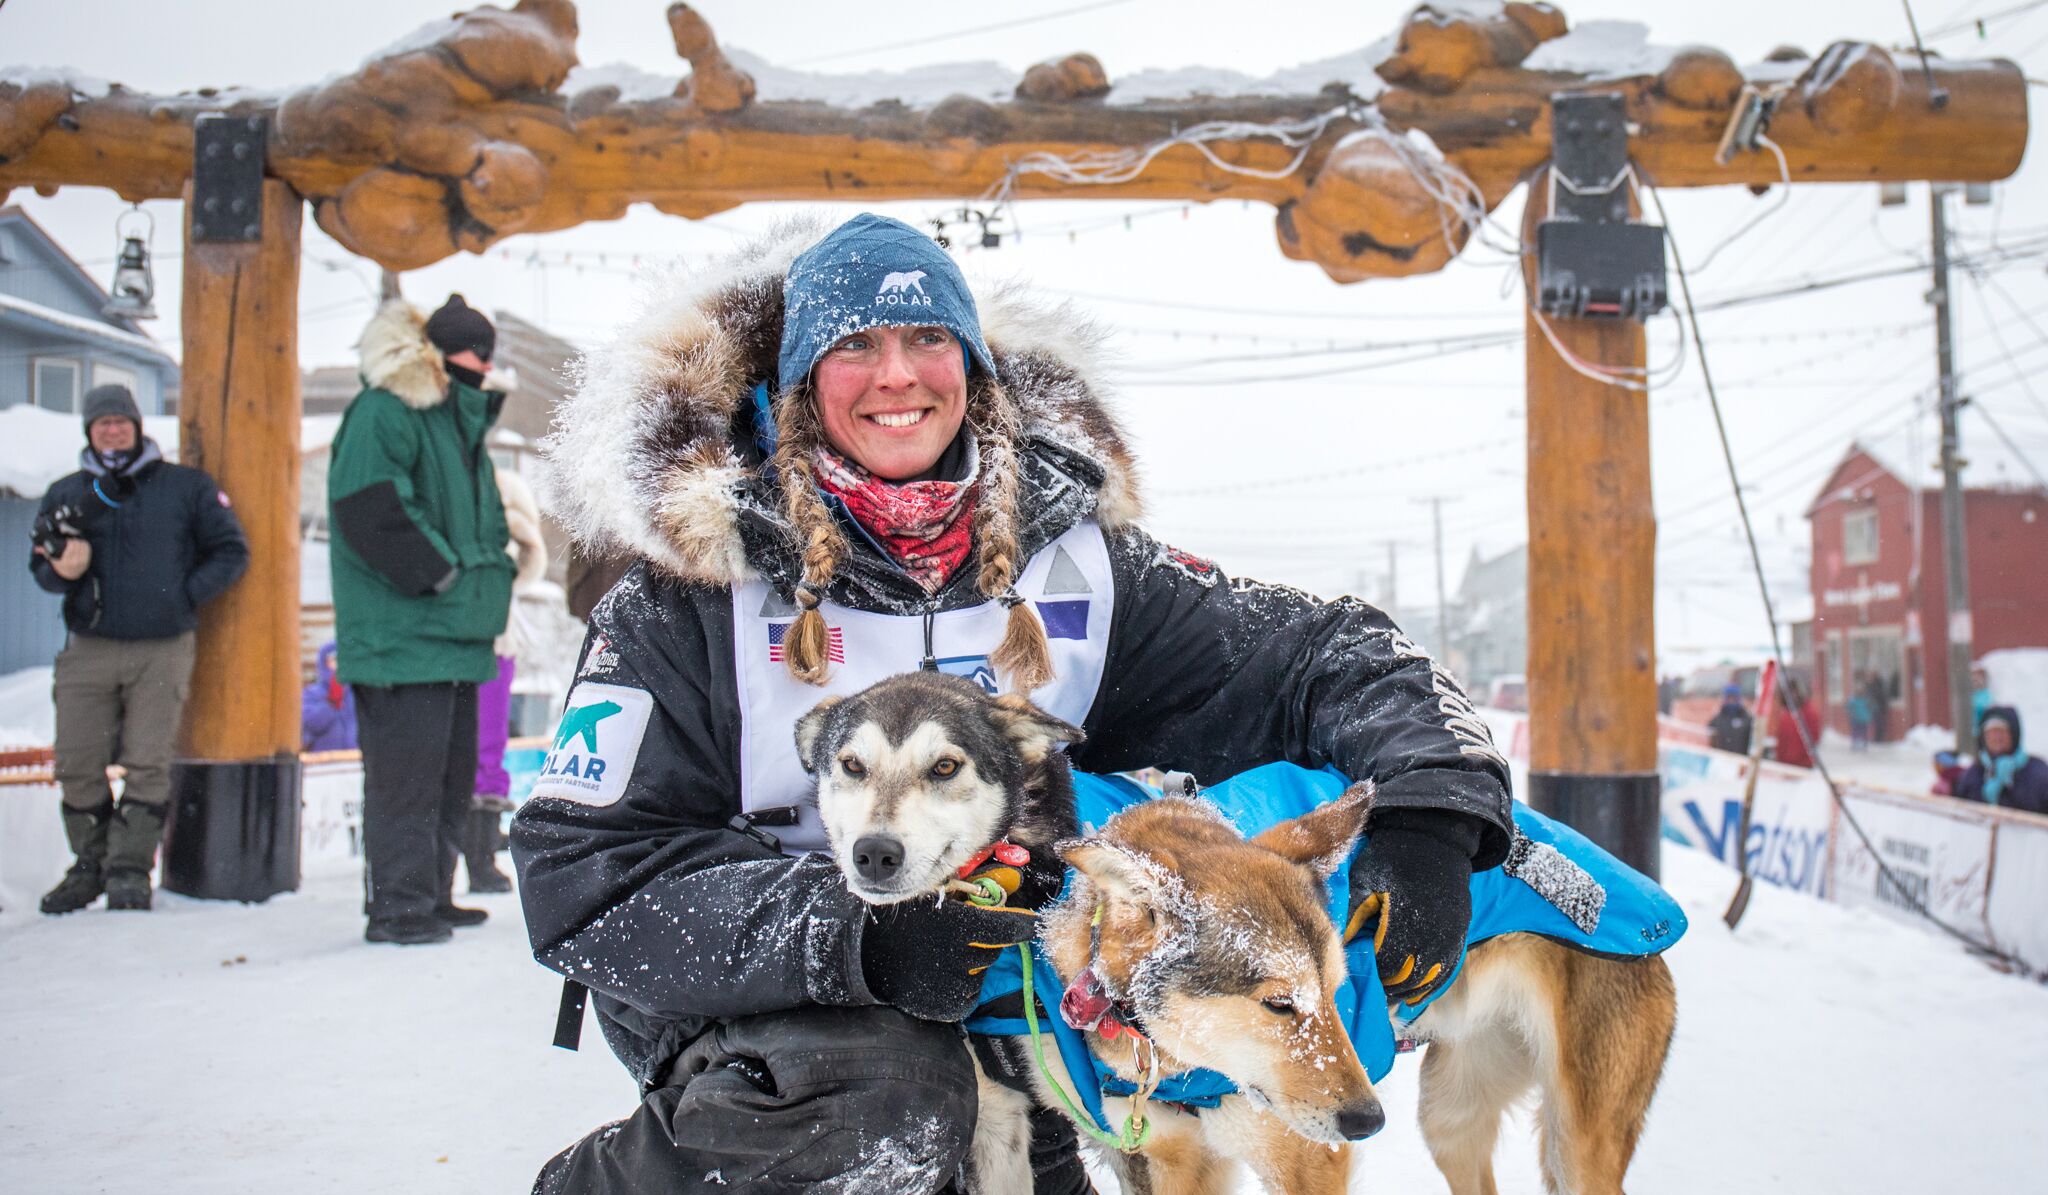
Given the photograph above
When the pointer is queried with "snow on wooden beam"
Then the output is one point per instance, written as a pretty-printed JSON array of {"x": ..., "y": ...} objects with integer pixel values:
[{"x": 462, "y": 134}]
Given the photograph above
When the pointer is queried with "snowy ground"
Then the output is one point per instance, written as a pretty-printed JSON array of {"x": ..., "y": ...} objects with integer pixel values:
[{"x": 211, "y": 1047}]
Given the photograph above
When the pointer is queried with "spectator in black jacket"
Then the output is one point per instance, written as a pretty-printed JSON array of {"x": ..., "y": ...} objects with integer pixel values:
[
  {"x": 834, "y": 469},
  {"x": 1732, "y": 723},
  {"x": 136, "y": 545}
]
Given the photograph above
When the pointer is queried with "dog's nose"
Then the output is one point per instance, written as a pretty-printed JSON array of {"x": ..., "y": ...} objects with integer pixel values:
[
  {"x": 878, "y": 857},
  {"x": 1359, "y": 1121}
]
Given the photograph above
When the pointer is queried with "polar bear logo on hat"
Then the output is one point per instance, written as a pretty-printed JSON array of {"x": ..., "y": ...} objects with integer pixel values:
[{"x": 898, "y": 283}]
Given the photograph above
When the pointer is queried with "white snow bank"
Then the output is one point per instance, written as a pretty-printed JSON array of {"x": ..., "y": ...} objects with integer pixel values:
[
  {"x": 80, "y": 83},
  {"x": 918, "y": 87},
  {"x": 1602, "y": 50},
  {"x": 276, "y": 1051},
  {"x": 634, "y": 84},
  {"x": 2019, "y": 678},
  {"x": 36, "y": 448},
  {"x": 28, "y": 717},
  {"x": 1353, "y": 68},
  {"x": 924, "y": 86}
]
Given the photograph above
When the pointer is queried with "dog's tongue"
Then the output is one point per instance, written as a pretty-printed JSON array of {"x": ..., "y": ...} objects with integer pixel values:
[{"x": 1085, "y": 1002}]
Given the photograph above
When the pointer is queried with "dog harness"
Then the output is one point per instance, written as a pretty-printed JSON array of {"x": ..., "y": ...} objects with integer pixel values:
[
  {"x": 1068, "y": 584},
  {"x": 1555, "y": 883}
]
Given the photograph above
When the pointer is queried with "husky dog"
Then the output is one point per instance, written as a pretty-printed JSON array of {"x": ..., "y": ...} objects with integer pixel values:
[
  {"x": 939, "y": 772},
  {"x": 918, "y": 774},
  {"x": 1220, "y": 953},
  {"x": 1223, "y": 951}
]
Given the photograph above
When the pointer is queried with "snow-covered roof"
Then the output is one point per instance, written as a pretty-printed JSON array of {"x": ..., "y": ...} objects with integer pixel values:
[
  {"x": 1913, "y": 455},
  {"x": 78, "y": 325},
  {"x": 37, "y": 446}
]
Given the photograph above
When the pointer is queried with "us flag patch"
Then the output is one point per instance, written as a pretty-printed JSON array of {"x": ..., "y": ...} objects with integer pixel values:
[{"x": 835, "y": 643}]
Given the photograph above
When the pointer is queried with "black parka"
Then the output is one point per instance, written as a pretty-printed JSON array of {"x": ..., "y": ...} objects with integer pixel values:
[
  {"x": 171, "y": 545},
  {"x": 675, "y": 920}
]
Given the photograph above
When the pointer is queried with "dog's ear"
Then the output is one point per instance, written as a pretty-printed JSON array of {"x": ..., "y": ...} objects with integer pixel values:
[
  {"x": 1324, "y": 837},
  {"x": 807, "y": 728},
  {"x": 1119, "y": 873},
  {"x": 1030, "y": 729}
]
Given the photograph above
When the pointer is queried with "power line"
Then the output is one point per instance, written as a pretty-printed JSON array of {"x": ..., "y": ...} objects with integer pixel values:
[
  {"x": 1979, "y": 22},
  {"x": 957, "y": 33},
  {"x": 2025, "y": 462}
]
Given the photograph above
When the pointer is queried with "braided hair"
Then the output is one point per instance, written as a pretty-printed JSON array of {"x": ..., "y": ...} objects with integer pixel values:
[{"x": 1024, "y": 657}]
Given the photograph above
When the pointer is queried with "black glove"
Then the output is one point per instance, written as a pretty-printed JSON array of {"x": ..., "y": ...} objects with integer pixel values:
[
  {"x": 1411, "y": 887},
  {"x": 927, "y": 957}
]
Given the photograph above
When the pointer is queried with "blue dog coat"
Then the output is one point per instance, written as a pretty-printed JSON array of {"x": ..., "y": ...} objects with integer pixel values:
[{"x": 1555, "y": 883}]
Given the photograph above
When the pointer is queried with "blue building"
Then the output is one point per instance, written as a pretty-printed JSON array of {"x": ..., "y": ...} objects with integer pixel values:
[{"x": 55, "y": 344}]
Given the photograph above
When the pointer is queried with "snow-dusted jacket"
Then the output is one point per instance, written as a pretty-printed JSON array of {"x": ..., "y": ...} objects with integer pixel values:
[
  {"x": 164, "y": 543},
  {"x": 647, "y": 893},
  {"x": 422, "y": 583}
]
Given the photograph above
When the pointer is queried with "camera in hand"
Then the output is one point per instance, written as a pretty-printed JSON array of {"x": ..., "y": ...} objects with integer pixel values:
[{"x": 56, "y": 525}]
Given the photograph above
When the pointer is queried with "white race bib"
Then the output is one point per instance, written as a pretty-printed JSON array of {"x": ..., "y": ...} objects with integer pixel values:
[{"x": 1068, "y": 583}]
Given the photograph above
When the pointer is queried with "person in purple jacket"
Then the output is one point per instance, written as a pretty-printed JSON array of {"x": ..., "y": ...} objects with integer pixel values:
[{"x": 327, "y": 709}]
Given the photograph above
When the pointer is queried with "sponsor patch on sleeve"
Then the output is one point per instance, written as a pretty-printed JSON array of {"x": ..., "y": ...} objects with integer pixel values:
[
  {"x": 1193, "y": 567},
  {"x": 595, "y": 745}
]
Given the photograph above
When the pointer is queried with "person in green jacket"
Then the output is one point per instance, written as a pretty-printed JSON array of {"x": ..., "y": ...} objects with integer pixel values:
[{"x": 422, "y": 585}]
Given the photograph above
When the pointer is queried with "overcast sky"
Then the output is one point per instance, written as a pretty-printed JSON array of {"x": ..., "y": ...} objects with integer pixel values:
[{"x": 1292, "y": 478}]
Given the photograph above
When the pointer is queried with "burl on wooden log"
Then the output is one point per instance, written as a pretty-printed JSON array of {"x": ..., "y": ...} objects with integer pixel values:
[{"x": 463, "y": 134}]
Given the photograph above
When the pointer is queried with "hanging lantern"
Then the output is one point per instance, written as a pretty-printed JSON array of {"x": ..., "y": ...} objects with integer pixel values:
[{"x": 134, "y": 286}]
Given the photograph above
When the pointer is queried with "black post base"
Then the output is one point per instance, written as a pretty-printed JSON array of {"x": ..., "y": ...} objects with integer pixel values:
[
  {"x": 1622, "y": 814},
  {"x": 234, "y": 829}
]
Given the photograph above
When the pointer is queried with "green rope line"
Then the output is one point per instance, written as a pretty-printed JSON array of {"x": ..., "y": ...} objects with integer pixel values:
[
  {"x": 991, "y": 894},
  {"x": 1136, "y": 1131}
]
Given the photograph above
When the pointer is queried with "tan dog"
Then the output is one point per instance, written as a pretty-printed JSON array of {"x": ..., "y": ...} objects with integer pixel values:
[{"x": 1223, "y": 953}]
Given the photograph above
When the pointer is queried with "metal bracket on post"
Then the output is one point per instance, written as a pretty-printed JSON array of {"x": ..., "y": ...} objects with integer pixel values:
[
  {"x": 1592, "y": 260},
  {"x": 227, "y": 178}
]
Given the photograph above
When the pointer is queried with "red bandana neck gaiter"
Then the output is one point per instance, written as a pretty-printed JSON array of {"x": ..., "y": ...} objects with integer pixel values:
[{"x": 926, "y": 526}]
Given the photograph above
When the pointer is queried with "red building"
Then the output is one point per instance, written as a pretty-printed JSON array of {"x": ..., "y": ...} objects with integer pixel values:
[{"x": 1880, "y": 600}]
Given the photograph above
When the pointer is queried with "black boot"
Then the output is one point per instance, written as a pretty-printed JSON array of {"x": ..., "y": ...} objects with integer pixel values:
[
  {"x": 86, "y": 830},
  {"x": 408, "y": 931},
  {"x": 131, "y": 853},
  {"x": 460, "y": 917},
  {"x": 480, "y": 853}
]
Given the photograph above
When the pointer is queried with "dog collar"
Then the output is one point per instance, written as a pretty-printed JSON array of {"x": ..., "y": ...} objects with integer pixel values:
[{"x": 1004, "y": 852}]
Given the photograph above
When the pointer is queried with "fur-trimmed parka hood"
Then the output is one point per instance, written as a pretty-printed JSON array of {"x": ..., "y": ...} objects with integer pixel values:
[
  {"x": 395, "y": 355},
  {"x": 654, "y": 453}
]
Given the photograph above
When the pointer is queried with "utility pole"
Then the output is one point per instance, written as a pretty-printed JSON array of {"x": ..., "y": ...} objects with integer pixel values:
[
  {"x": 1441, "y": 649},
  {"x": 1393, "y": 577},
  {"x": 1960, "y": 632},
  {"x": 1389, "y": 595}
]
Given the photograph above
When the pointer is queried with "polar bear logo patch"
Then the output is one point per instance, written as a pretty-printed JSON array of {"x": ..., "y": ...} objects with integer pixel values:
[{"x": 900, "y": 283}]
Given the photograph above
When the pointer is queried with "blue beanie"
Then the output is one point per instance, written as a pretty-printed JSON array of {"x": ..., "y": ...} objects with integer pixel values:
[{"x": 871, "y": 272}]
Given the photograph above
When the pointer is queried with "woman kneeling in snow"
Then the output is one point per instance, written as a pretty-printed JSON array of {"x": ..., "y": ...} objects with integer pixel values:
[{"x": 836, "y": 462}]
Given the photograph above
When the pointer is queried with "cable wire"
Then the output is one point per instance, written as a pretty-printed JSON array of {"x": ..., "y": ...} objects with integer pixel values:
[{"x": 939, "y": 37}]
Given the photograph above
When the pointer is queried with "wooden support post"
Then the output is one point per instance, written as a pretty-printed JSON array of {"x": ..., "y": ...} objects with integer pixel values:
[
  {"x": 1592, "y": 573},
  {"x": 234, "y": 830}
]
